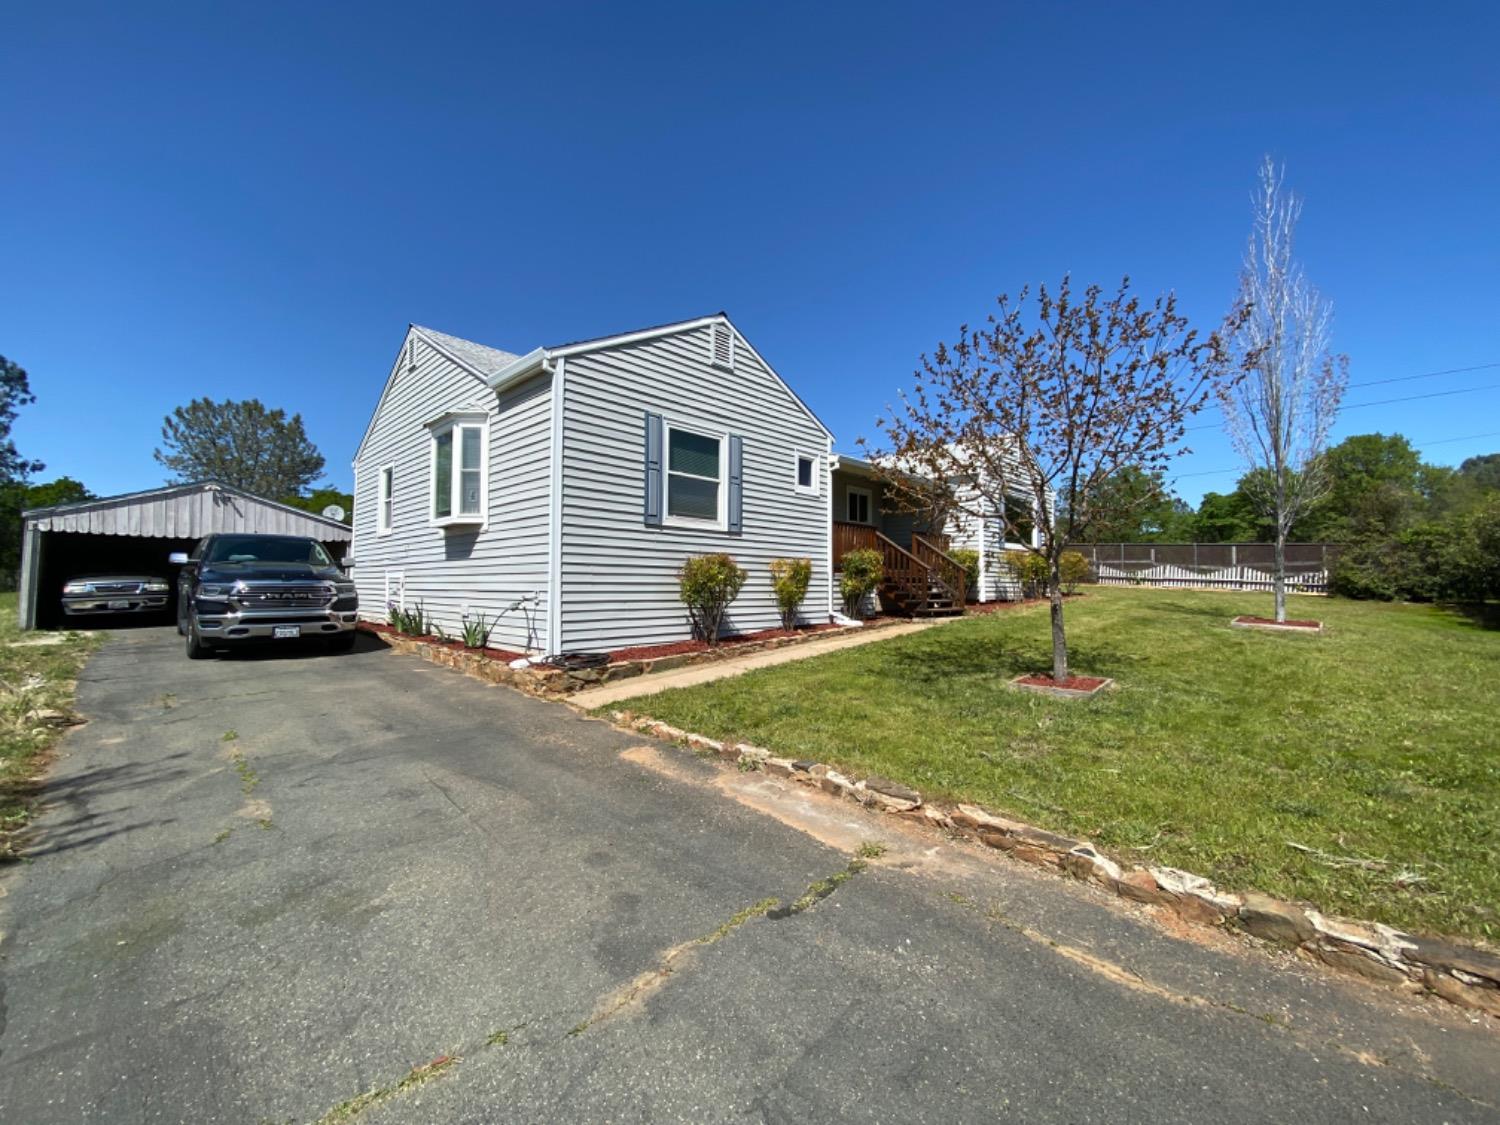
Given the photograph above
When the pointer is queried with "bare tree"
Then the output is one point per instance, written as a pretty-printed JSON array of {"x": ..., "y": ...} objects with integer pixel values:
[
  {"x": 1279, "y": 416},
  {"x": 1048, "y": 408}
]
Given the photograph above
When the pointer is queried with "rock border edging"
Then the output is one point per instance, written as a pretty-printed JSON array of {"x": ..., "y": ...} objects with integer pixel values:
[
  {"x": 550, "y": 683},
  {"x": 1467, "y": 976}
]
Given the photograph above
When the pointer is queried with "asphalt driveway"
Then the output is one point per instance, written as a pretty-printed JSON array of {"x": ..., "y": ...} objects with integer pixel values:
[{"x": 267, "y": 885}]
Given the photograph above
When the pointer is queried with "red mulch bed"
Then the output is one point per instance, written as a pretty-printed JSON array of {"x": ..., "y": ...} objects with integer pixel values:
[
  {"x": 1072, "y": 683},
  {"x": 493, "y": 653},
  {"x": 651, "y": 652},
  {"x": 1249, "y": 619}
]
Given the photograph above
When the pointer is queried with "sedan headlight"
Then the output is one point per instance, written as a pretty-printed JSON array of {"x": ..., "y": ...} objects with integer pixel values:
[
  {"x": 156, "y": 587},
  {"x": 77, "y": 588}
]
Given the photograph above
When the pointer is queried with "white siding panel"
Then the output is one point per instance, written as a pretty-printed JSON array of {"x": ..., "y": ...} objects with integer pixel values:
[
  {"x": 619, "y": 584},
  {"x": 457, "y": 569}
]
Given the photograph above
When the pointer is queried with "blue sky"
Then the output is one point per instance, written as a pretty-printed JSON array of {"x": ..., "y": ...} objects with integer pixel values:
[{"x": 255, "y": 200}]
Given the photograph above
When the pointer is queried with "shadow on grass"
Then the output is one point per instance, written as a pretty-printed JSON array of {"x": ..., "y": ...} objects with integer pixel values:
[
  {"x": 1486, "y": 615},
  {"x": 944, "y": 658}
]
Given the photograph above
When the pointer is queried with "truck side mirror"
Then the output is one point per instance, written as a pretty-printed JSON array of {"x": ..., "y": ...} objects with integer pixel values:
[{"x": 178, "y": 558}]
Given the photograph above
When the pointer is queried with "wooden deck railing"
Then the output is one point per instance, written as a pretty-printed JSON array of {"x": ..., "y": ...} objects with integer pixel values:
[
  {"x": 851, "y": 537},
  {"x": 949, "y": 569}
]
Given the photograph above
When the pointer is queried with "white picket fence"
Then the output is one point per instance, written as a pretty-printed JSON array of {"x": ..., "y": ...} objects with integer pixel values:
[{"x": 1299, "y": 580}]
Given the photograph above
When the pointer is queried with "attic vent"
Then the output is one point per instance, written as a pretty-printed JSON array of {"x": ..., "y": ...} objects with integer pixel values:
[
  {"x": 723, "y": 344},
  {"x": 411, "y": 355}
]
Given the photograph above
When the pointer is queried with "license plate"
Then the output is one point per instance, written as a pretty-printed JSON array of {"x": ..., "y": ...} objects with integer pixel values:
[
  {"x": 281, "y": 632},
  {"x": 120, "y": 603}
]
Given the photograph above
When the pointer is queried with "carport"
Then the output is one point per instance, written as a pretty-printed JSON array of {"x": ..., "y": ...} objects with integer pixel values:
[{"x": 135, "y": 532}]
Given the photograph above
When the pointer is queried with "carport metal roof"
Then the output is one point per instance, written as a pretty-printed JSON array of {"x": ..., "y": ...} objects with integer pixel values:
[
  {"x": 182, "y": 511},
  {"x": 185, "y": 511}
]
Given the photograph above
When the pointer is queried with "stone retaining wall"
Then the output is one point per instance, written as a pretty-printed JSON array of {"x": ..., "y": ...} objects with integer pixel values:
[
  {"x": 1465, "y": 975},
  {"x": 552, "y": 682}
]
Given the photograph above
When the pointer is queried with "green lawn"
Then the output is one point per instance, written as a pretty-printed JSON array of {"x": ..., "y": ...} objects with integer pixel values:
[
  {"x": 1379, "y": 740},
  {"x": 31, "y": 679}
]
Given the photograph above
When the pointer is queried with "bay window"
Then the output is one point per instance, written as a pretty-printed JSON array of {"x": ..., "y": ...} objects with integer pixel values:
[{"x": 458, "y": 470}]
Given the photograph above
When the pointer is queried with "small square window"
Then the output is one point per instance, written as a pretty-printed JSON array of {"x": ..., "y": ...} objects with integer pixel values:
[{"x": 806, "y": 479}]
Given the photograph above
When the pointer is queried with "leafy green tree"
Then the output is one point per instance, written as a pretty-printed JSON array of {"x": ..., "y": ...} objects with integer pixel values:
[
  {"x": 17, "y": 496},
  {"x": 1227, "y": 517},
  {"x": 1136, "y": 507},
  {"x": 15, "y": 392},
  {"x": 241, "y": 444},
  {"x": 1377, "y": 484},
  {"x": 320, "y": 498}
]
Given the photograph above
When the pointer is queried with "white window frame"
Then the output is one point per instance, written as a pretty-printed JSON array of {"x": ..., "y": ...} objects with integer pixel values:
[
  {"x": 797, "y": 486},
  {"x": 455, "y": 424},
  {"x": 713, "y": 353},
  {"x": 385, "y": 500},
  {"x": 854, "y": 490},
  {"x": 720, "y": 436}
]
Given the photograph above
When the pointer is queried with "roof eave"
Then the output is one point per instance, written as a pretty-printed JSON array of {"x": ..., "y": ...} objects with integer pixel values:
[{"x": 523, "y": 367}]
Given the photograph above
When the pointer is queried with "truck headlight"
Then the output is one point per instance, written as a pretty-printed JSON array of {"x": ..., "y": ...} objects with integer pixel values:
[{"x": 211, "y": 590}]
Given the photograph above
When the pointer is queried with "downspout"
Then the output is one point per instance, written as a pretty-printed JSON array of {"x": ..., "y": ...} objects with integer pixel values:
[
  {"x": 831, "y": 462},
  {"x": 555, "y": 514}
]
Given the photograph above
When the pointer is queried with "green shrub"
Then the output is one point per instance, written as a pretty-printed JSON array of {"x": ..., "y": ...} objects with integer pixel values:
[
  {"x": 1030, "y": 570},
  {"x": 969, "y": 560},
  {"x": 790, "y": 579},
  {"x": 1074, "y": 568},
  {"x": 413, "y": 622},
  {"x": 1452, "y": 559},
  {"x": 477, "y": 630},
  {"x": 863, "y": 571},
  {"x": 707, "y": 584}
]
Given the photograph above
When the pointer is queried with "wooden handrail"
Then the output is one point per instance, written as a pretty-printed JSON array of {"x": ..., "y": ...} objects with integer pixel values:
[
  {"x": 897, "y": 559},
  {"x": 949, "y": 569},
  {"x": 851, "y": 537}
]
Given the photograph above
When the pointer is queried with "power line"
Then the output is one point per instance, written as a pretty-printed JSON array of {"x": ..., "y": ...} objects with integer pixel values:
[
  {"x": 1381, "y": 402},
  {"x": 1426, "y": 375},
  {"x": 1418, "y": 444}
]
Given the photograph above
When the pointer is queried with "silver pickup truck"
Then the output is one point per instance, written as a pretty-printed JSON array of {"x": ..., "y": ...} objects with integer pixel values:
[{"x": 235, "y": 589}]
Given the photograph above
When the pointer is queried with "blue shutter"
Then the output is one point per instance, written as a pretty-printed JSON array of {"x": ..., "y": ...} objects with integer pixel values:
[
  {"x": 653, "y": 470},
  {"x": 736, "y": 484}
]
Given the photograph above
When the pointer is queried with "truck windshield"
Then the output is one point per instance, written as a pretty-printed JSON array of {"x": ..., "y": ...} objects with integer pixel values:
[{"x": 272, "y": 549}]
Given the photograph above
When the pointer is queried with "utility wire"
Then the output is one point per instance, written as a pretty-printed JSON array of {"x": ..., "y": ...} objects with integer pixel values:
[
  {"x": 1381, "y": 402},
  {"x": 1418, "y": 444}
]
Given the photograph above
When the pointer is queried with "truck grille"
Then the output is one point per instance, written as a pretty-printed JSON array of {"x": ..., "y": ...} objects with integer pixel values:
[
  {"x": 286, "y": 597},
  {"x": 116, "y": 587}
]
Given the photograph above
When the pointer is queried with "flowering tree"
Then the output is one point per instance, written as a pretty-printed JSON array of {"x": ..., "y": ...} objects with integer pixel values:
[
  {"x": 1047, "y": 408},
  {"x": 1279, "y": 416}
]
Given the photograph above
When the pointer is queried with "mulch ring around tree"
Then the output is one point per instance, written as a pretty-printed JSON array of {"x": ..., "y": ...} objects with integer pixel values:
[
  {"x": 1303, "y": 625},
  {"x": 1074, "y": 687}
]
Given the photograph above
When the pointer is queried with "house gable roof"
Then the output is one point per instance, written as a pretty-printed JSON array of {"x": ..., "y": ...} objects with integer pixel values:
[{"x": 497, "y": 367}]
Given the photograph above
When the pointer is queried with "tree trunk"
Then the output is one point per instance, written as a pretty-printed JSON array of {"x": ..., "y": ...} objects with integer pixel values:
[
  {"x": 1280, "y": 580},
  {"x": 1059, "y": 638}
]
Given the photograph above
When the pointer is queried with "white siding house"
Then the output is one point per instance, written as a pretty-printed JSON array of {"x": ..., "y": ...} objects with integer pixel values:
[{"x": 576, "y": 479}]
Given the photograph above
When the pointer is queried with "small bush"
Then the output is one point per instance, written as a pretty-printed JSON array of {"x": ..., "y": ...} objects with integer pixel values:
[
  {"x": 790, "y": 579},
  {"x": 707, "y": 584},
  {"x": 413, "y": 622},
  {"x": 1074, "y": 570},
  {"x": 1030, "y": 571},
  {"x": 969, "y": 560},
  {"x": 863, "y": 571},
  {"x": 477, "y": 630}
]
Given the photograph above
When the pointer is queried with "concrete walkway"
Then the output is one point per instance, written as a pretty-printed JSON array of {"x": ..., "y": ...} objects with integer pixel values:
[{"x": 738, "y": 665}]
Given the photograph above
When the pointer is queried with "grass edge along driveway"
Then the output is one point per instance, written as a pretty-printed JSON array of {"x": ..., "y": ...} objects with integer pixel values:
[
  {"x": 1375, "y": 745},
  {"x": 33, "y": 678}
]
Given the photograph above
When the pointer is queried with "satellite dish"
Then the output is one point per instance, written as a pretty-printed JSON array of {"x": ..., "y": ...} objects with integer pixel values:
[{"x": 334, "y": 512}]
